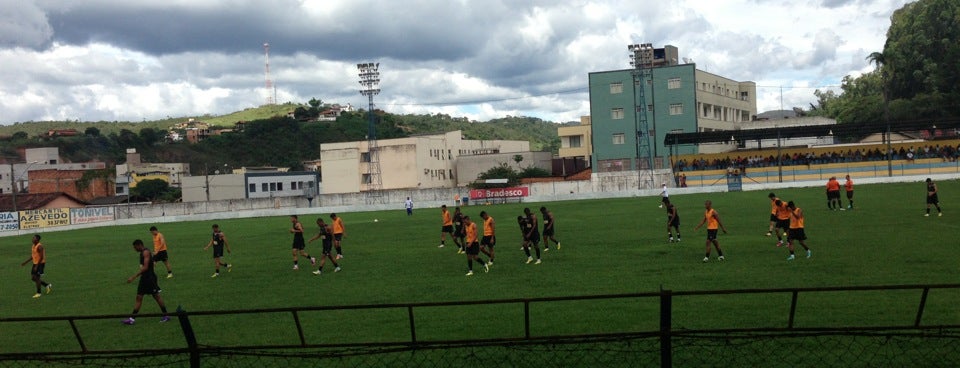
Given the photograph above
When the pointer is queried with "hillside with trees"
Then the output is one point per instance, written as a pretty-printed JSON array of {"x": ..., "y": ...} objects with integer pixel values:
[{"x": 274, "y": 140}]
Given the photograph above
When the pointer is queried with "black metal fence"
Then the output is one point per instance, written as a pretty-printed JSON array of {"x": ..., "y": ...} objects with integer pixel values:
[{"x": 780, "y": 343}]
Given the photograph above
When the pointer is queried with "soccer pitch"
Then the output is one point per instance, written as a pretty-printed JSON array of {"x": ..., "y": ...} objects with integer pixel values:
[{"x": 609, "y": 246}]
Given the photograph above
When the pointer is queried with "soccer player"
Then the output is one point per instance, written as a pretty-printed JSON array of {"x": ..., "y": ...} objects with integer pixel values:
[
  {"x": 796, "y": 230},
  {"x": 38, "y": 256},
  {"x": 148, "y": 284},
  {"x": 338, "y": 233},
  {"x": 408, "y": 204},
  {"x": 673, "y": 221},
  {"x": 848, "y": 185},
  {"x": 299, "y": 247},
  {"x": 531, "y": 234},
  {"x": 932, "y": 197},
  {"x": 326, "y": 238},
  {"x": 458, "y": 232},
  {"x": 773, "y": 212},
  {"x": 160, "y": 250},
  {"x": 489, "y": 235},
  {"x": 447, "y": 227},
  {"x": 664, "y": 196},
  {"x": 833, "y": 194},
  {"x": 783, "y": 221},
  {"x": 218, "y": 240},
  {"x": 712, "y": 219},
  {"x": 473, "y": 248},
  {"x": 548, "y": 229}
]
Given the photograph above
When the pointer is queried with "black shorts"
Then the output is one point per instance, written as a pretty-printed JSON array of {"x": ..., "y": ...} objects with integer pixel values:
[
  {"x": 675, "y": 222},
  {"x": 547, "y": 231},
  {"x": 933, "y": 199},
  {"x": 473, "y": 249},
  {"x": 298, "y": 243},
  {"x": 849, "y": 194},
  {"x": 711, "y": 234},
  {"x": 161, "y": 256},
  {"x": 488, "y": 241},
  {"x": 796, "y": 234},
  {"x": 338, "y": 236},
  {"x": 664, "y": 199},
  {"x": 534, "y": 238},
  {"x": 217, "y": 251},
  {"x": 37, "y": 270},
  {"x": 447, "y": 229},
  {"x": 327, "y": 246},
  {"x": 833, "y": 194},
  {"x": 783, "y": 224},
  {"x": 459, "y": 232},
  {"x": 148, "y": 285},
  {"x": 773, "y": 218}
]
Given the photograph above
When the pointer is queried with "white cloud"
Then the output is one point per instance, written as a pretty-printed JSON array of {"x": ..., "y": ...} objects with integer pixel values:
[{"x": 105, "y": 61}]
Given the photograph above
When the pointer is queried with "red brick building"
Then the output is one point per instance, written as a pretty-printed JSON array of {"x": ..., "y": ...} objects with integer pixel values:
[{"x": 97, "y": 183}]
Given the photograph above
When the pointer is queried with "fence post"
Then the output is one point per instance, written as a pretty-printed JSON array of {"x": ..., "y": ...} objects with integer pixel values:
[
  {"x": 666, "y": 316},
  {"x": 191, "y": 338}
]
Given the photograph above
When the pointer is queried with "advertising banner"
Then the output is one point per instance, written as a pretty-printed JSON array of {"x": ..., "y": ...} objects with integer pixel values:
[
  {"x": 499, "y": 193},
  {"x": 9, "y": 221},
  {"x": 88, "y": 215},
  {"x": 47, "y": 217}
]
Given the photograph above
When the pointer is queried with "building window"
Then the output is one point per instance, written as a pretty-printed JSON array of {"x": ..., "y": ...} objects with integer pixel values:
[
  {"x": 365, "y": 157},
  {"x": 616, "y": 113},
  {"x": 280, "y": 186},
  {"x": 310, "y": 184},
  {"x": 618, "y": 138},
  {"x": 673, "y": 83},
  {"x": 365, "y": 179},
  {"x": 253, "y": 188},
  {"x": 575, "y": 141},
  {"x": 676, "y": 109},
  {"x": 264, "y": 188},
  {"x": 273, "y": 187},
  {"x": 616, "y": 88}
]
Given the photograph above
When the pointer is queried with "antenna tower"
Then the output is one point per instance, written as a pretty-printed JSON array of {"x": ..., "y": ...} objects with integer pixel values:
[
  {"x": 641, "y": 59},
  {"x": 370, "y": 86},
  {"x": 269, "y": 82}
]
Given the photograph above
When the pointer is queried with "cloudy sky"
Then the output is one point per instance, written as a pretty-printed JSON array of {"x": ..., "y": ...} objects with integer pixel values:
[{"x": 148, "y": 59}]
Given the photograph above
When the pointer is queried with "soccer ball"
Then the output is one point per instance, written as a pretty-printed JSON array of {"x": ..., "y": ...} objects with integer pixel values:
[{"x": 375, "y": 220}]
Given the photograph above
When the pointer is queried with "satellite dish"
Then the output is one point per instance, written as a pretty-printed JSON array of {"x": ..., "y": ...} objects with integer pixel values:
[{"x": 687, "y": 61}]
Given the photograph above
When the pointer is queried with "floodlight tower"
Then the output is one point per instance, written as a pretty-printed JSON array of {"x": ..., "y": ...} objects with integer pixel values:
[
  {"x": 269, "y": 82},
  {"x": 370, "y": 86},
  {"x": 641, "y": 58}
]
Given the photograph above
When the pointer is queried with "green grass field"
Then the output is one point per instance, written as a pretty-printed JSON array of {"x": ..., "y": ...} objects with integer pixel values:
[{"x": 609, "y": 246}]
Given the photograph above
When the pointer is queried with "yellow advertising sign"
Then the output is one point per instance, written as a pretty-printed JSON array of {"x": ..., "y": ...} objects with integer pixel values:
[{"x": 47, "y": 217}]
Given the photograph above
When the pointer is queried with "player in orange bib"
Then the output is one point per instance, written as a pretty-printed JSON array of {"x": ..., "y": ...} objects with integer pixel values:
[
  {"x": 712, "y": 219},
  {"x": 38, "y": 255},
  {"x": 796, "y": 230},
  {"x": 160, "y": 250}
]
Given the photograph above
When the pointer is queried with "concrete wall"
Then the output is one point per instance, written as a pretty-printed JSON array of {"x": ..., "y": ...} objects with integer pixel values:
[{"x": 469, "y": 167}]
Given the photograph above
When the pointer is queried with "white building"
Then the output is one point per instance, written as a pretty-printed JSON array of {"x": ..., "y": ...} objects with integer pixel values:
[
  {"x": 250, "y": 184},
  {"x": 428, "y": 161}
]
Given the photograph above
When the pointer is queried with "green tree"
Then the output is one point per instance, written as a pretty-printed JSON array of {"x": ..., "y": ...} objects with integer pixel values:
[
  {"x": 920, "y": 56},
  {"x": 91, "y": 132},
  {"x": 502, "y": 171},
  {"x": 150, "y": 189},
  {"x": 20, "y": 135}
]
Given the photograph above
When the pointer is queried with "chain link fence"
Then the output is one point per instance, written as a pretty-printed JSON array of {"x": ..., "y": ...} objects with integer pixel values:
[{"x": 881, "y": 348}]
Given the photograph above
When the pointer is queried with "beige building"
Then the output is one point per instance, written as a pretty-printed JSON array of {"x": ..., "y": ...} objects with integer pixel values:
[
  {"x": 428, "y": 161},
  {"x": 575, "y": 140}
]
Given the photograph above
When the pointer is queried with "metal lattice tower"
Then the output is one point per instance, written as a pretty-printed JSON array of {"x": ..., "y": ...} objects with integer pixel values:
[
  {"x": 266, "y": 66},
  {"x": 370, "y": 83},
  {"x": 641, "y": 59}
]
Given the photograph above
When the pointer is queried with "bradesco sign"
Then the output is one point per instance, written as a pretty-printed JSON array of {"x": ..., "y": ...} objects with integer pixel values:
[{"x": 499, "y": 193}]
